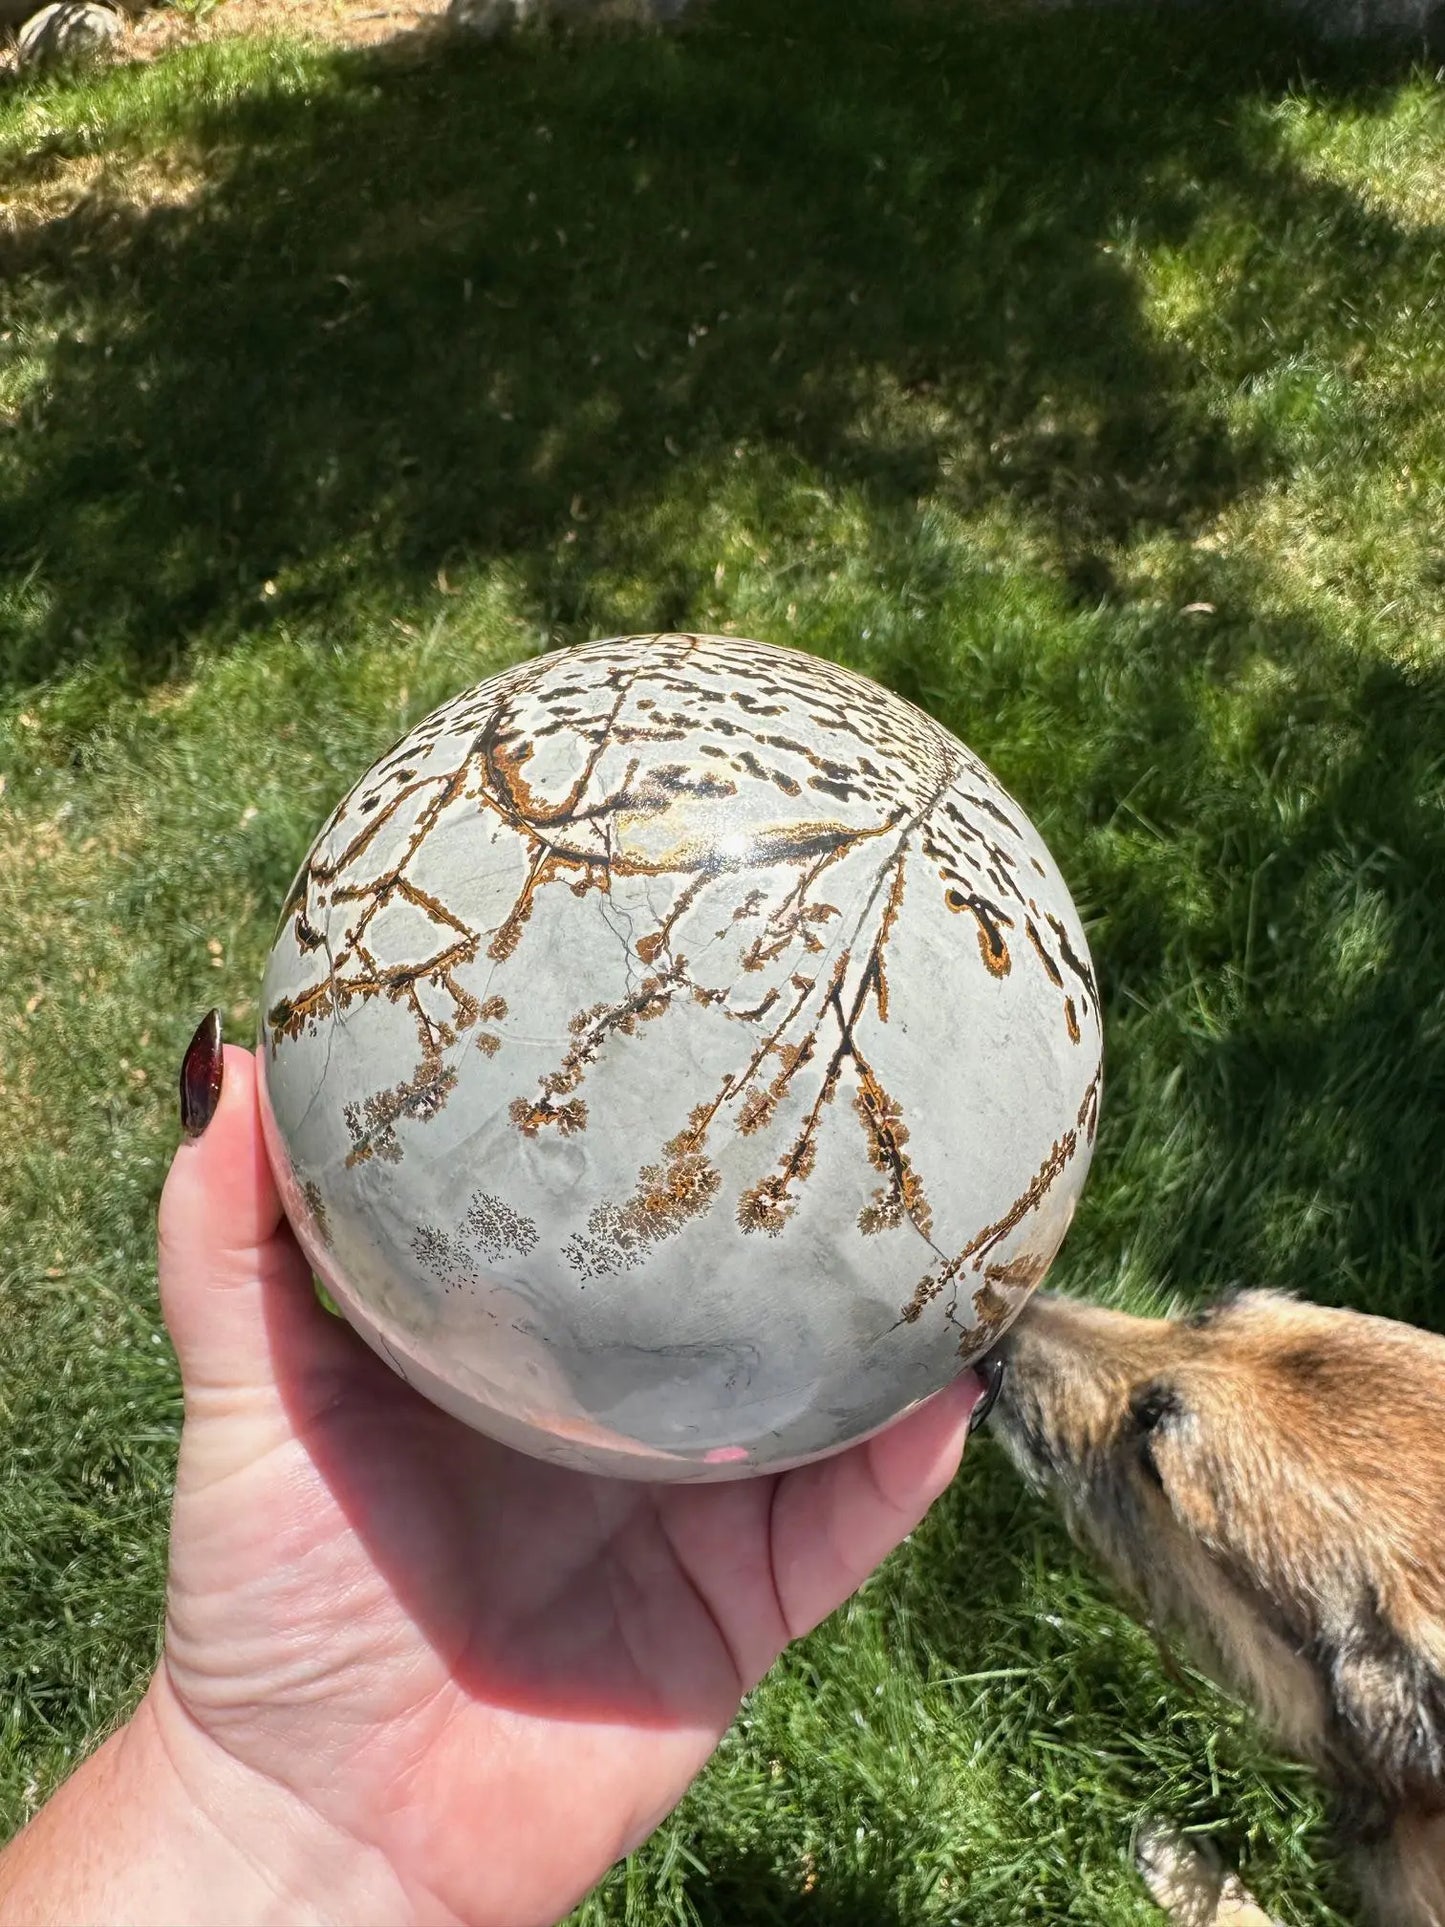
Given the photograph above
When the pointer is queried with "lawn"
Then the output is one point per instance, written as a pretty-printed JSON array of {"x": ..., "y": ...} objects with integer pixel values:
[{"x": 1078, "y": 375}]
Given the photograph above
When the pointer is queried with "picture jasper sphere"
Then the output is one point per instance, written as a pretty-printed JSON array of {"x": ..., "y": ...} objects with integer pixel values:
[{"x": 680, "y": 1056}]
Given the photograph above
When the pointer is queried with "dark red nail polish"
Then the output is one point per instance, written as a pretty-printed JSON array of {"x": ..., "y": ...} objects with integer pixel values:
[
  {"x": 991, "y": 1370},
  {"x": 201, "y": 1076}
]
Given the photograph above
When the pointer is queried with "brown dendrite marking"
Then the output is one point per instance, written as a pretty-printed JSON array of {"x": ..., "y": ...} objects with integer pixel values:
[
  {"x": 988, "y": 917},
  {"x": 759, "y": 1106},
  {"x": 1088, "y": 1113},
  {"x": 509, "y": 933},
  {"x": 1020, "y": 1274},
  {"x": 1075, "y": 963},
  {"x": 491, "y": 1012},
  {"x": 982, "y": 877},
  {"x": 932, "y": 1283},
  {"x": 782, "y": 932},
  {"x": 620, "y": 1236},
  {"x": 797, "y": 917},
  {"x": 340, "y": 987},
  {"x": 649, "y": 948},
  {"x": 1051, "y": 969},
  {"x": 999, "y": 1299},
  {"x": 992, "y": 1314},
  {"x": 769, "y": 1203},
  {"x": 886, "y": 1134},
  {"x": 590, "y": 1031},
  {"x": 530, "y": 1118},
  {"x": 316, "y": 1205},
  {"x": 557, "y": 763},
  {"x": 891, "y": 907},
  {"x": 372, "y": 1123},
  {"x": 1016, "y": 1270}
]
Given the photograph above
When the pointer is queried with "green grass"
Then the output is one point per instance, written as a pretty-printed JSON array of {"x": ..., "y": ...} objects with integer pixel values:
[{"x": 1079, "y": 375}]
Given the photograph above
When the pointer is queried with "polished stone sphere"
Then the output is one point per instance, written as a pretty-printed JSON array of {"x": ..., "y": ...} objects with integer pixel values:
[{"x": 680, "y": 1056}]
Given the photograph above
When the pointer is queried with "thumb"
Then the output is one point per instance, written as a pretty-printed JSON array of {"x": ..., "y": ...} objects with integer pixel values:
[{"x": 235, "y": 1287}]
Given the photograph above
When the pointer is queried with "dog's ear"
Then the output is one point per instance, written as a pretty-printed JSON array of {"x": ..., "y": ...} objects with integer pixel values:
[
  {"x": 1360, "y": 1614},
  {"x": 1387, "y": 1698}
]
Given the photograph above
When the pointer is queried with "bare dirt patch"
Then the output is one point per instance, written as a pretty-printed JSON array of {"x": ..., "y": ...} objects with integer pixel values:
[
  {"x": 346, "y": 23},
  {"x": 339, "y": 23}
]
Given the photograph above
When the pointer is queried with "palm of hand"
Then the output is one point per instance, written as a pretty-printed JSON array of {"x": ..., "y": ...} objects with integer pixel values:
[{"x": 495, "y": 1675}]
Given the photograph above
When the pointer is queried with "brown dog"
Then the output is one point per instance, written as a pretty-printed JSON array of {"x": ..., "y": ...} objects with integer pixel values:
[{"x": 1268, "y": 1478}]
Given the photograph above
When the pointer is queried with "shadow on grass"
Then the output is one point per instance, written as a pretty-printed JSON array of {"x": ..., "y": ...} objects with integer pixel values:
[
  {"x": 1320, "y": 1102},
  {"x": 452, "y": 306},
  {"x": 469, "y": 304},
  {"x": 751, "y": 1888},
  {"x": 1254, "y": 818},
  {"x": 538, "y": 304}
]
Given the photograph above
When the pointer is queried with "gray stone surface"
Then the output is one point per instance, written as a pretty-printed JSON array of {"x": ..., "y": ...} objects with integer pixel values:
[
  {"x": 487, "y": 18},
  {"x": 69, "y": 32},
  {"x": 680, "y": 1056}
]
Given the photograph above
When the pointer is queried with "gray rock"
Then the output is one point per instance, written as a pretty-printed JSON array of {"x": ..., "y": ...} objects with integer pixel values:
[
  {"x": 623, "y": 1184},
  {"x": 68, "y": 33},
  {"x": 488, "y": 18}
]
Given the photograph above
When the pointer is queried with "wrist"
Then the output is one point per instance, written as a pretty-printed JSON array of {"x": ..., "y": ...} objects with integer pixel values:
[
  {"x": 161, "y": 1824},
  {"x": 281, "y": 1859}
]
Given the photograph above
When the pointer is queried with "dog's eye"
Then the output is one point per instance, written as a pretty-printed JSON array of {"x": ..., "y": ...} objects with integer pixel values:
[{"x": 1148, "y": 1410}]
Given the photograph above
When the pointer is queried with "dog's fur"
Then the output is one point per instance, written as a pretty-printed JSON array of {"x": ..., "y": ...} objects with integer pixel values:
[{"x": 1268, "y": 1478}]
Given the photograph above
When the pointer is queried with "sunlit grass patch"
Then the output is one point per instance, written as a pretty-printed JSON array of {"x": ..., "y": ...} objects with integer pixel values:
[{"x": 1075, "y": 374}]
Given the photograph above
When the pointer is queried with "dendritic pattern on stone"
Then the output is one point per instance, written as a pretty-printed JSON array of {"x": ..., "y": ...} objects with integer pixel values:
[
  {"x": 620, "y": 1235},
  {"x": 316, "y": 1205},
  {"x": 490, "y": 1231},
  {"x": 1006, "y": 1286},
  {"x": 622, "y": 764}
]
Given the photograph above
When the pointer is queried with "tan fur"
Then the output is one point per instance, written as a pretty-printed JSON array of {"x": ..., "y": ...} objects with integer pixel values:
[{"x": 1269, "y": 1478}]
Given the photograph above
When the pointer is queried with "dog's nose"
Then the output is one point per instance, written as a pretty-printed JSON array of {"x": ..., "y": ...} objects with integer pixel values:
[{"x": 990, "y": 1369}]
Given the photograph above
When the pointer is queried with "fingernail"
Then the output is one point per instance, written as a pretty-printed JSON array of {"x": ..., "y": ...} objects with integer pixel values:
[
  {"x": 990, "y": 1370},
  {"x": 201, "y": 1076}
]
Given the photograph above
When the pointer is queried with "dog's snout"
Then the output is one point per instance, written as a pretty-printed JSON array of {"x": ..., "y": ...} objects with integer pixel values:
[{"x": 990, "y": 1368}]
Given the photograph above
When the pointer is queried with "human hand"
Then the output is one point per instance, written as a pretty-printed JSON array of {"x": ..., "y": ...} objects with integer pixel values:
[{"x": 410, "y": 1674}]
